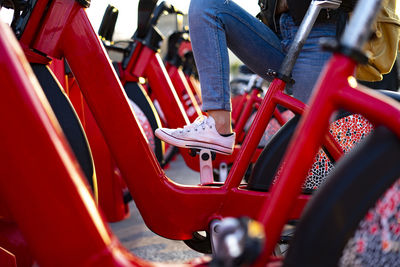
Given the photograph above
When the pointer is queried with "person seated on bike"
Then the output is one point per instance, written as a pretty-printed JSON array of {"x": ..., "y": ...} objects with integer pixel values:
[{"x": 215, "y": 26}]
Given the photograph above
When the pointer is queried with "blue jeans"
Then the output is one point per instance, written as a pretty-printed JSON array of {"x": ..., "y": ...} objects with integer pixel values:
[{"x": 216, "y": 25}]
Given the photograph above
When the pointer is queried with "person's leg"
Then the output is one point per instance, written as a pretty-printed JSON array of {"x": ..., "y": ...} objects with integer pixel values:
[
  {"x": 222, "y": 120},
  {"x": 214, "y": 26},
  {"x": 311, "y": 59}
]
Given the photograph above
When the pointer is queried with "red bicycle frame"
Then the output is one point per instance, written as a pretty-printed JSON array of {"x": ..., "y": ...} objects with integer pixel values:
[
  {"x": 184, "y": 52},
  {"x": 185, "y": 94},
  {"x": 336, "y": 89},
  {"x": 31, "y": 208},
  {"x": 189, "y": 208},
  {"x": 244, "y": 109},
  {"x": 193, "y": 206}
]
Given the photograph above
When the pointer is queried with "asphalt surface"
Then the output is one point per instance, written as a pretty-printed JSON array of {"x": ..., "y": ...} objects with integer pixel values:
[{"x": 138, "y": 239}]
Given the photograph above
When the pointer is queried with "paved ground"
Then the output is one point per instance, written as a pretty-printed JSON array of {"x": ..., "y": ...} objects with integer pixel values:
[{"x": 136, "y": 237}]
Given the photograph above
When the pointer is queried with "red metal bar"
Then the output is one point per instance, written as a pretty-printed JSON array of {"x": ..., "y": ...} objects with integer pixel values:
[
  {"x": 194, "y": 85},
  {"x": 49, "y": 221},
  {"x": 289, "y": 102},
  {"x": 181, "y": 210},
  {"x": 377, "y": 108},
  {"x": 12, "y": 241},
  {"x": 315, "y": 122},
  {"x": 254, "y": 136},
  {"x": 7, "y": 259},
  {"x": 238, "y": 108},
  {"x": 150, "y": 65},
  {"x": 109, "y": 178},
  {"x": 279, "y": 118},
  {"x": 334, "y": 92},
  {"x": 184, "y": 92},
  {"x": 244, "y": 117},
  {"x": 295, "y": 105}
]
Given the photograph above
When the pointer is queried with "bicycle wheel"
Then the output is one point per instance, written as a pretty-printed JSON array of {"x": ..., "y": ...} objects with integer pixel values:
[
  {"x": 268, "y": 162},
  {"x": 348, "y": 131},
  {"x": 339, "y": 206},
  {"x": 200, "y": 242},
  {"x": 68, "y": 120},
  {"x": 142, "y": 104}
]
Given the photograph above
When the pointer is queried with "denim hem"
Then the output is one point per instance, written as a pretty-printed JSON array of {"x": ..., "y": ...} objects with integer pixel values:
[{"x": 216, "y": 106}]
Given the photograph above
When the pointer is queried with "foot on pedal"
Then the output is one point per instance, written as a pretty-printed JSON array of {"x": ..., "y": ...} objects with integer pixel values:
[{"x": 201, "y": 134}]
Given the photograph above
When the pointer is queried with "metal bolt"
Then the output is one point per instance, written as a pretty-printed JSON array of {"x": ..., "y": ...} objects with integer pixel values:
[{"x": 205, "y": 156}]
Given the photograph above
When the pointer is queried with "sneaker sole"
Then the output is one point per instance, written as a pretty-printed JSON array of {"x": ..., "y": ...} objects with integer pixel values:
[{"x": 191, "y": 144}]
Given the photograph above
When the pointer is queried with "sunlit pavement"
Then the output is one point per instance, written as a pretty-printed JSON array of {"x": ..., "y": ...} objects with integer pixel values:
[{"x": 138, "y": 239}]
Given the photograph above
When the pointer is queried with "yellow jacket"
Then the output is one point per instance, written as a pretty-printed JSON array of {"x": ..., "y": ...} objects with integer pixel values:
[{"x": 383, "y": 47}]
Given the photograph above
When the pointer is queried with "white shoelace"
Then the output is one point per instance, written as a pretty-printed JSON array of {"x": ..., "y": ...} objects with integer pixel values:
[{"x": 201, "y": 121}]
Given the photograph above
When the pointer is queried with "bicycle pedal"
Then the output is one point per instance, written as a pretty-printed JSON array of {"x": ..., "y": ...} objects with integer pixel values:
[
  {"x": 193, "y": 152},
  {"x": 206, "y": 168}
]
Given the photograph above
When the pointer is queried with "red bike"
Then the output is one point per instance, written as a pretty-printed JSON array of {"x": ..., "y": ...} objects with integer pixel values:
[
  {"x": 130, "y": 150},
  {"x": 134, "y": 159},
  {"x": 32, "y": 209}
]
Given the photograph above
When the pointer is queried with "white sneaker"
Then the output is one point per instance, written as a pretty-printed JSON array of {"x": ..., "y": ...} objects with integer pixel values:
[{"x": 201, "y": 134}]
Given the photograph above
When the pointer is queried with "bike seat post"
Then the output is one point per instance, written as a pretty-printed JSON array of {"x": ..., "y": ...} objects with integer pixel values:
[{"x": 302, "y": 34}]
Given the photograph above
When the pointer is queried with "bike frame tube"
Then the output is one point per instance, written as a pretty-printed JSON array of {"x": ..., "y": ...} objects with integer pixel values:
[
  {"x": 237, "y": 107},
  {"x": 334, "y": 92},
  {"x": 68, "y": 195},
  {"x": 12, "y": 240},
  {"x": 148, "y": 64},
  {"x": 273, "y": 97},
  {"x": 32, "y": 209},
  {"x": 7, "y": 259},
  {"x": 109, "y": 181},
  {"x": 193, "y": 206},
  {"x": 185, "y": 93},
  {"x": 245, "y": 115},
  {"x": 242, "y": 112},
  {"x": 254, "y": 135},
  {"x": 145, "y": 62},
  {"x": 194, "y": 85},
  {"x": 279, "y": 118}
]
